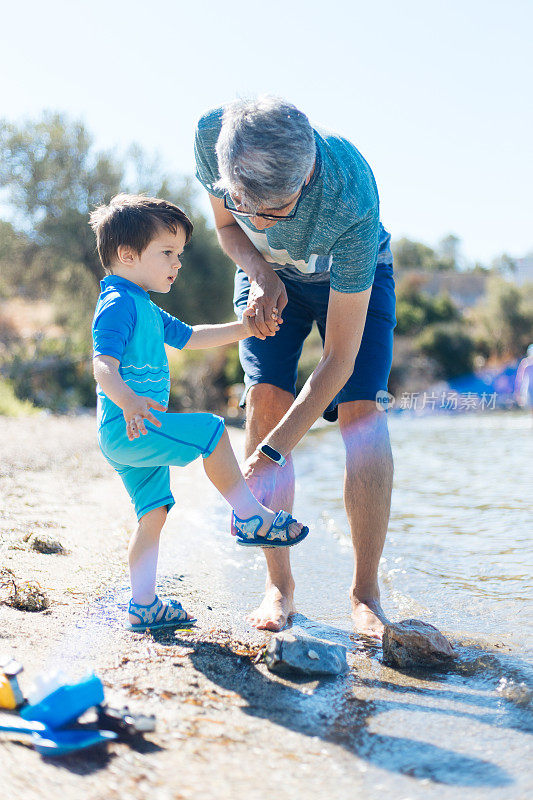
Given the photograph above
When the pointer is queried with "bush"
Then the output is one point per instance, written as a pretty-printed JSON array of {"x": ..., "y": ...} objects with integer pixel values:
[
  {"x": 415, "y": 309},
  {"x": 450, "y": 346},
  {"x": 52, "y": 373},
  {"x": 410, "y": 318},
  {"x": 10, "y": 405}
]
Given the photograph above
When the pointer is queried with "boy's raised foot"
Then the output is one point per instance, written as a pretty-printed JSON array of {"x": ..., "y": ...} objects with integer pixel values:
[{"x": 255, "y": 531}]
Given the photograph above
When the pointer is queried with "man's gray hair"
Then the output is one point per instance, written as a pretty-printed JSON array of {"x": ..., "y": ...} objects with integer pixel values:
[{"x": 265, "y": 151}]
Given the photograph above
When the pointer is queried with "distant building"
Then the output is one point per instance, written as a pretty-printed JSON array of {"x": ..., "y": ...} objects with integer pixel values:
[{"x": 464, "y": 288}]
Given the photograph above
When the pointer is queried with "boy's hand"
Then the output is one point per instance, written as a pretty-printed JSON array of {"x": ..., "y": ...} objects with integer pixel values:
[
  {"x": 267, "y": 298},
  {"x": 249, "y": 322},
  {"x": 136, "y": 411}
]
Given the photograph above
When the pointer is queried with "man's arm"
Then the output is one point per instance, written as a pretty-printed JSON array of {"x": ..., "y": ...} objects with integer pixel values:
[
  {"x": 519, "y": 377},
  {"x": 351, "y": 278},
  {"x": 344, "y": 330},
  {"x": 267, "y": 290}
]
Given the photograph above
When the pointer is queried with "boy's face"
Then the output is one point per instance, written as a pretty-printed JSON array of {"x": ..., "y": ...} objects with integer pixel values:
[{"x": 156, "y": 269}]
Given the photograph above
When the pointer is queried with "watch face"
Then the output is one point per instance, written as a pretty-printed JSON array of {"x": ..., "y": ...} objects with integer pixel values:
[{"x": 271, "y": 453}]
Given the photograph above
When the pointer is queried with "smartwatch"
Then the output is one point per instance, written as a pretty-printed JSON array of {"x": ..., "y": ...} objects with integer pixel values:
[{"x": 272, "y": 454}]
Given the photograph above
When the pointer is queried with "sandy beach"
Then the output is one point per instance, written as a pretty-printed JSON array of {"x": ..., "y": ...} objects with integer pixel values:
[{"x": 226, "y": 727}]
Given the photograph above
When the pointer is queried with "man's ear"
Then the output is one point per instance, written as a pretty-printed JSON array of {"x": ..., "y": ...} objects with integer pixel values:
[{"x": 125, "y": 255}]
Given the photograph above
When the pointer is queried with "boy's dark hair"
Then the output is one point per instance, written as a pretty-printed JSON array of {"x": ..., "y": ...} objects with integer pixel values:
[{"x": 134, "y": 220}]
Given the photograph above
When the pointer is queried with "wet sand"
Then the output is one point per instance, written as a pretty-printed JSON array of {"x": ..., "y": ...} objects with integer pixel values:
[{"x": 225, "y": 726}]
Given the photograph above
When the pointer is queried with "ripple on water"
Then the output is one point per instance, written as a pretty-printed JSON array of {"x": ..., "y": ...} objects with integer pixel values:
[{"x": 460, "y": 518}]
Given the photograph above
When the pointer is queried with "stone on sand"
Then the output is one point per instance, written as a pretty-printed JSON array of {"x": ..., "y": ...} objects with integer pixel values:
[
  {"x": 45, "y": 544},
  {"x": 291, "y": 652},
  {"x": 29, "y": 597}
]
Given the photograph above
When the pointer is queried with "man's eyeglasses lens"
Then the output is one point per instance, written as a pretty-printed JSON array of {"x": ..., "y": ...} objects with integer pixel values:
[{"x": 230, "y": 206}]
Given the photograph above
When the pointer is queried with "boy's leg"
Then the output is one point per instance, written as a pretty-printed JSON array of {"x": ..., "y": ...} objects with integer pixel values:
[
  {"x": 223, "y": 471},
  {"x": 142, "y": 554},
  {"x": 149, "y": 490}
]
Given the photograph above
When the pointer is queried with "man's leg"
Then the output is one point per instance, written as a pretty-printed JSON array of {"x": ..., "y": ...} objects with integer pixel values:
[
  {"x": 367, "y": 495},
  {"x": 265, "y": 406}
]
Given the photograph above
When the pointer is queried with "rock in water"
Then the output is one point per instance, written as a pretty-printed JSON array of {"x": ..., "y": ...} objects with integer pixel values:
[
  {"x": 290, "y": 652},
  {"x": 45, "y": 544},
  {"x": 413, "y": 643}
]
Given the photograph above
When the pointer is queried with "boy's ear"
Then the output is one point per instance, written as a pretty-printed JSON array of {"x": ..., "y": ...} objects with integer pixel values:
[{"x": 125, "y": 255}]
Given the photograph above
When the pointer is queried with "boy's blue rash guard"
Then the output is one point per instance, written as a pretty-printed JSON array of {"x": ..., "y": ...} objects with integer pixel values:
[{"x": 128, "y": 326}]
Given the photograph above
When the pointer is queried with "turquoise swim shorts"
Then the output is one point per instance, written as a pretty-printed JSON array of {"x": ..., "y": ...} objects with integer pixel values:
[{"x": 143, "y": 464}]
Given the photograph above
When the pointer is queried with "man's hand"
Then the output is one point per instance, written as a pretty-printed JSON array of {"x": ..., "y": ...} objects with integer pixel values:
[
  {"x": 248, "y": 321},
  {"x": 267, "y": 299},
  {"x": 260, "y": 474},
  {"x": 136, "y": 410}
]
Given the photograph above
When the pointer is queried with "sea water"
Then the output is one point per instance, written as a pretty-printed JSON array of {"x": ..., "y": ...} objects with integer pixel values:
[{"x": 457, "y": 555}]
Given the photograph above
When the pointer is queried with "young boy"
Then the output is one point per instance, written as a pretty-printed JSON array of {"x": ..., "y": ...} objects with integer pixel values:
[{"x": 140, "y": 241}]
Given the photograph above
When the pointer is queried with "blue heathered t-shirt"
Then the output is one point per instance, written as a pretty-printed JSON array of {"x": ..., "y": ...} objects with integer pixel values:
[
  {"x": 336, "y": 233},
  {"x": 128, "y": 326}
]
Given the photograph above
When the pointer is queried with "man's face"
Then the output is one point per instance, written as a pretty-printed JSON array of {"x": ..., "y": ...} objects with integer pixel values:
[{"x": 156, "y": 269}]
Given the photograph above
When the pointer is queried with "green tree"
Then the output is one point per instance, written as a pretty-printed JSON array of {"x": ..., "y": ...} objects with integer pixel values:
[
  {"x": 53, "y": 178},
  {"x": 449, "y": 251},
  {"x": 14, "y": 248},
  {"x": 504, "y": 319},
  {"x": 412, "y": 255},
  {"x": 409, "y": 254}
]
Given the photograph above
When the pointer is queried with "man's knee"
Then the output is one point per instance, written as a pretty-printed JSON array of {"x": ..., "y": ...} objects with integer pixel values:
[
  {"x": 361, "y": 423},
  {"x": 265, "y": 406}
]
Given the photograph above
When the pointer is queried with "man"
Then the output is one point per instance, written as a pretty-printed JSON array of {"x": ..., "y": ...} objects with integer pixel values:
[
  {"x": 298, "y": 212},
  {"x": 523, "y": 388}
]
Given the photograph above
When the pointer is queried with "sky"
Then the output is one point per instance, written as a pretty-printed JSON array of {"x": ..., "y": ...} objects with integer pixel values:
[{"x": 436, "y": 95}]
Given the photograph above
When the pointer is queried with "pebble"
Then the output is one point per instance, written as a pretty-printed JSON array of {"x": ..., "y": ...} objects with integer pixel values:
[
  {"x": 412, "y": 643},
  {"x": 294, "y": 652},
  {"x": 45, "y": 544}
]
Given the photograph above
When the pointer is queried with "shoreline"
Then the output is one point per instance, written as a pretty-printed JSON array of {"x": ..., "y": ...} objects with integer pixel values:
[
  {"x": 211, "y": 701},
  {"x": 226, "y": 727}
]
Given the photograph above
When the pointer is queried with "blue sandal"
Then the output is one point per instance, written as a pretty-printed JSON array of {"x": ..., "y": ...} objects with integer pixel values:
[
  {"x": 276, "y": 536},
  {"x": 150, "y": 617}
]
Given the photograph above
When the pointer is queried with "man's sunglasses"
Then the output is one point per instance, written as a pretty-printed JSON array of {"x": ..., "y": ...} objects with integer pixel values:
[{"x": 230, "y": 206}]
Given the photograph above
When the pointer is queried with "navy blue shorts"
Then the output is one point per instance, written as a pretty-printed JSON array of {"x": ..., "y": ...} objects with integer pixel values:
[{"x": 275, "y": 360}]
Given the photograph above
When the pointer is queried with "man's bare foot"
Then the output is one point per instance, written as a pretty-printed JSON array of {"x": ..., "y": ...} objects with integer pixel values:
[
  {"x": 274, "y": 612},
  {"x": 369, "y": 618}
]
